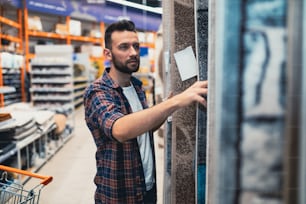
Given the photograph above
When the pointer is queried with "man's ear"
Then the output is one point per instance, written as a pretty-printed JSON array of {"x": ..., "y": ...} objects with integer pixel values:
[{"x": 107, "y": 54}]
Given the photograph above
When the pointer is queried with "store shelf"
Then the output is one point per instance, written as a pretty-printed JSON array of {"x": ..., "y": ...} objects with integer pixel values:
[
  {"x": 52, "y": 76},
  {"x": 64, "y": 37},
  {"x": 49, "y": 89},
  {"x": 8, "y": 154},
  {"x": 10, "y": 22},
  {"x": 11, "y": 76},
  {"x": 46, "y": 35},
  {"x": 82, "y": 80},
  {"x": 85, "y": 39},
  {"x": 80, "y": 84},
  {"x": 11, "y": 38},
  {"x": 27, "y": 138},
  {"x": 11, "y": 58},
  {"x": 53, "y": 84},
  {"x": 7, "y": 89},
  {"x": 150, "y": 45}
]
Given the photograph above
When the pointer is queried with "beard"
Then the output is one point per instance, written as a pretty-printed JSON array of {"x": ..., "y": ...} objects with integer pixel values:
[{"x": 128, "y": 67}]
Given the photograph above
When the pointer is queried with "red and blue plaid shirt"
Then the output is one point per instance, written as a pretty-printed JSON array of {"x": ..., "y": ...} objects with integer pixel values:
[{"x": 119, "y": 177}]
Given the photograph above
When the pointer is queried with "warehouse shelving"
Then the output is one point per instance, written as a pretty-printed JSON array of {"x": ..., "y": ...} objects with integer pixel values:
[
  {"x": 64, "y": 38},
  {"x": 32, "y": 151},
  {"x": 49, "y": 90},
  {"x": 52, "y": 77},
  {"x": 11, "y": 74},
  {"x": 80, "y": 83},
  {"x": 52, "y": 84}
]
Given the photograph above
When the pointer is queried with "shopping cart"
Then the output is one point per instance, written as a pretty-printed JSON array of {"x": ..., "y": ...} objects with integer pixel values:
[{"x": 13, "y": 192}]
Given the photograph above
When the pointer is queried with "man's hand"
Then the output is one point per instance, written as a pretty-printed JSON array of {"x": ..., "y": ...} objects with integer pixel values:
[
  {"x": 151, "y": 118},
  {"x": 195, "y": 93}
]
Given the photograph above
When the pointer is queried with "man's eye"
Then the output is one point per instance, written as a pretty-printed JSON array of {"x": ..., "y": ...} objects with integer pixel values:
[
  {"x": 124, "y": 47},
  {"x": 128, "y": 46},
  {"x": 136, "y": 46}
]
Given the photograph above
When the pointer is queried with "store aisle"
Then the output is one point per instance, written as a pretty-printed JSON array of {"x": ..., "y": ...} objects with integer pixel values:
[{"x": 73, "y": 168}]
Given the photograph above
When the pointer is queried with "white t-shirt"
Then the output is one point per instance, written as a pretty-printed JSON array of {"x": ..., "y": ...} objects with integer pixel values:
[{"x": 143, "y": 140}]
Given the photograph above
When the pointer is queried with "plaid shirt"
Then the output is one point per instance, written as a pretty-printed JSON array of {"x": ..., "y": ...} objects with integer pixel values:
[{"x": 120, "y": 176}]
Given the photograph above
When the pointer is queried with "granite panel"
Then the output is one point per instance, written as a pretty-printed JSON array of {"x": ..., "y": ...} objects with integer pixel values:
[{"x": 183, "y": 122}]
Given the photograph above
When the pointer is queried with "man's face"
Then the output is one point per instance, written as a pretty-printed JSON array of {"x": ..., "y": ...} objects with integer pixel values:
[{"x": 125, "y": 51}]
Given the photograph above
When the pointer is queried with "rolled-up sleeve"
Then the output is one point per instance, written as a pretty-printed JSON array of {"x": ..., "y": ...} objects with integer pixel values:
[{"x": 103, "y": 109}]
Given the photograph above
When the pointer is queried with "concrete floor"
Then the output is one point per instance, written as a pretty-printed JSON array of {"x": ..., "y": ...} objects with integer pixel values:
[{"x": 73, "y": 169}]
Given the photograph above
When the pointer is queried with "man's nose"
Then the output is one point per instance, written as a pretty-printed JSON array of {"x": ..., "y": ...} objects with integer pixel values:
[{"x": 133, "y": 50}]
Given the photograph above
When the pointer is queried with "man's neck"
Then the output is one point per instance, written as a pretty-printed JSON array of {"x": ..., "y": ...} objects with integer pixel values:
[{"x": 122, "y": 79}]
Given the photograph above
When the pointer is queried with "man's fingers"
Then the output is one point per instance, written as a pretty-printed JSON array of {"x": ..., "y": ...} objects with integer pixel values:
[{"x": 202, "y": 101}]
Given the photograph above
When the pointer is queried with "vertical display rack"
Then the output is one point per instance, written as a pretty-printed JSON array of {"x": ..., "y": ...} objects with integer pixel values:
[
  {"x": 12, "y": 75},
  {"x": 52, "y": 81}
]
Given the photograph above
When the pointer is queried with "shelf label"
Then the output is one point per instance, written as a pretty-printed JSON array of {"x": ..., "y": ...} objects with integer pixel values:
[{"x": 186, "y": 63}]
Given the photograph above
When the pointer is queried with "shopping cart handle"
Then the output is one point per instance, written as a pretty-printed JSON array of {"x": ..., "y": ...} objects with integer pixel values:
[{"x": 45, "y": 179}]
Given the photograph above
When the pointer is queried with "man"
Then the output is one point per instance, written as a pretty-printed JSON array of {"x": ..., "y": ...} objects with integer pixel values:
[{"x": 121, "y": 123}]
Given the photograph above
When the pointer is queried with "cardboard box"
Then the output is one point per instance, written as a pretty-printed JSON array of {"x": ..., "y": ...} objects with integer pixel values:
[
  {"x": 34, "y": 23},
  {"x": 61, "y": 29},
  {"x": 75, "y": 27}
]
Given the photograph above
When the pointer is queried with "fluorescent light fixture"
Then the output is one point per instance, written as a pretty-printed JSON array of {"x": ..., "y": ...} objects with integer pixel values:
[{"x": 157, "y": 10}]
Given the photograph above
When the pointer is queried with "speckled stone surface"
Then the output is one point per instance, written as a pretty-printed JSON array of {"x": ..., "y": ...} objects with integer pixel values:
[{"x": 184, "y": 124}]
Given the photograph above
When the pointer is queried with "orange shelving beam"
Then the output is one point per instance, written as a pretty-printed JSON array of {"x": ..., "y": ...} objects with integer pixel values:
[
  {"x": 68, "y": 28},
  {"x": 102, "y": 30},
  {"x": 11, "y": 38},
  {"x": 85, "y": 39},
  {"x": 20, "y": 33},
  {"x": 1, "y": 84},
  {"x": 10, "y": 22},
  {"x": 26, "y": 40},
  {"x": 19, "y": 50},
  {"x": 46, "y": 34}
]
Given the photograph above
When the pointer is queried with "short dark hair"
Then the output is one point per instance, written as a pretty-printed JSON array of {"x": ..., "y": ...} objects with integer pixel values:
[{"x": 122, "y": 25}]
